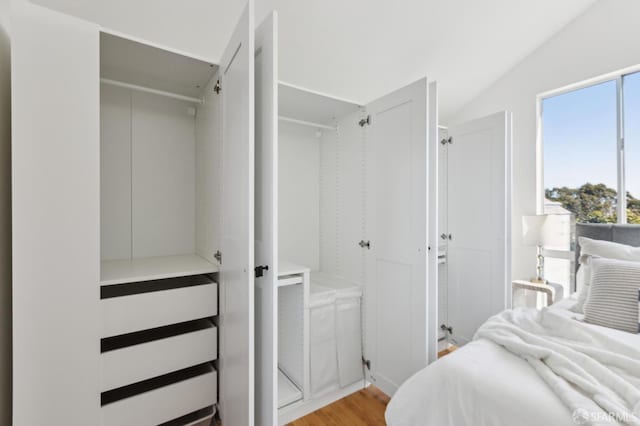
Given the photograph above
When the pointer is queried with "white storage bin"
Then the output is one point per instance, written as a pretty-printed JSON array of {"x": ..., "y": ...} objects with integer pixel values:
[
  {"x": 322, "y": 341},
  {"x": 349, "y": 336}
]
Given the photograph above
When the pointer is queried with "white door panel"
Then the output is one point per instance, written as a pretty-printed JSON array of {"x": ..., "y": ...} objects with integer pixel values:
[
  {"x": 442, "y": 231},
  {"x": 479, "y": 183},
  {"x": 433, "y": 239},
  {"x": 56, "y": 218},
  {"x": 266, "y": 210},
  {"x": 396, "y": 221},
  {"x": 236, "y": 270}
]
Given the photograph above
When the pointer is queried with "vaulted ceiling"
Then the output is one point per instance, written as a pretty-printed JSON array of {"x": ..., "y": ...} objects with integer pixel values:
[{"x": 357, "y": 49}]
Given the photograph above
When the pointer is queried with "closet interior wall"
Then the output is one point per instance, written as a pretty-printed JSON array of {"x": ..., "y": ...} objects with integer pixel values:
[
  {"x": 322, "y": 196},
  {"x": 342, "y": 198},
  {"x": 299, "y": 169}
]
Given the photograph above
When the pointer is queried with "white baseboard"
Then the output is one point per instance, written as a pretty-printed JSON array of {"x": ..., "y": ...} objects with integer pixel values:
[{"x": 300, "y": 409}]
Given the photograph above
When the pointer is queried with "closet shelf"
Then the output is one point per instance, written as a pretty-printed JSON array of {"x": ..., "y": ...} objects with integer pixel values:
[
  {"x": 289, "y": 268},
  {"x": 153, "y": 268}
]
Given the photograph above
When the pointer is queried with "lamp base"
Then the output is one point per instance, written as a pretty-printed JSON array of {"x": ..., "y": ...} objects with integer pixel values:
[{"x": 539, "y": 281}]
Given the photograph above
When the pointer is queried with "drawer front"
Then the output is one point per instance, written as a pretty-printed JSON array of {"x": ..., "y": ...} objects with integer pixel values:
[
  {"x": 143, "y": 311},
  {"x": 136, "y": 363},
  {"x": 163, "y": 404}
]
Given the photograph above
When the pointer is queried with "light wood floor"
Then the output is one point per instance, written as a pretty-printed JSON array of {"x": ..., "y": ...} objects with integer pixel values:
[
  {"x": 447, "y": 351},
  {"x": 363, "y": 408}
]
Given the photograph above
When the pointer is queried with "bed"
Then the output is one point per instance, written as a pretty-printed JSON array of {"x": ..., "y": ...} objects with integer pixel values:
[{"x": 483, "y": 383}]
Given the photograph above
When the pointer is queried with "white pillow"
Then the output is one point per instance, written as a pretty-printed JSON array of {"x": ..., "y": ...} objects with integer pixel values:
[
  {"x": 608, "y": 249},
  {"x": 613, "y": 295},
  {"x": 598, "y": 248}
]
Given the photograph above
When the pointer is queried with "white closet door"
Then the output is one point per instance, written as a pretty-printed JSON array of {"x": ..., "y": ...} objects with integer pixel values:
[
  {"x": 266, "y": 210},
  {"x": 56, "y": 218},
  {"x": 236, "y": 270},
  {"x": 396, "y": 276},
  {"x": 479, "y": 210},
  {"x": 433, "y": 232}
]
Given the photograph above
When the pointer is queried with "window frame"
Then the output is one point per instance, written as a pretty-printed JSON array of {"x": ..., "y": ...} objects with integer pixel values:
[{"x": 618, "y": 77}]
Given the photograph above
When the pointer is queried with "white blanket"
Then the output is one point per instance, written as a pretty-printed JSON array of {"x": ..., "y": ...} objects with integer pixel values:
[
  {"x": 484, "y": 384},
  {"x": 595, "y": 376}
]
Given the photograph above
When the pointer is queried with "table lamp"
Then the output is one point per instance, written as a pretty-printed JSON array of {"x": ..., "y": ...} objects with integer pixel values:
[{"x": 533, "y": 234}]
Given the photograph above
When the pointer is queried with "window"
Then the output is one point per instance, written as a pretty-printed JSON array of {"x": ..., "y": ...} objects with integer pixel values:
[
  {"x": 583, "y": 173},
  {"x": 591, "y": 162}
]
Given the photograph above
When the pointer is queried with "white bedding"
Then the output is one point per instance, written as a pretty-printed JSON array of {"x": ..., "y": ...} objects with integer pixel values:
[{"x": 484, "y": 384}]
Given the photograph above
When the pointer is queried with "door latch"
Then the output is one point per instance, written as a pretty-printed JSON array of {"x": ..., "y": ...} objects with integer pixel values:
[
  {"x": 365, "y": 244},
  {"x": 218, "y": 256},
  {"x": 260, "y": 270}
]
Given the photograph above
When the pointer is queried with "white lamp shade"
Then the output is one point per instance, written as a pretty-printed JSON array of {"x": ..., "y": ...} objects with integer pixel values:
[
  {"x": 533, "y": 230},
  {"x": 556, "y": 232}
]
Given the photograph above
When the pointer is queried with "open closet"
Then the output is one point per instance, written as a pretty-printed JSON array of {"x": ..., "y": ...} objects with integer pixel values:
[
  {"x": 196, "y": 238},
  {"x": 133, "y": 227},
  {"x": 342, "y": 240},
  {"x": 159, "y": 194},
  {"x": 320, "y": 162}
]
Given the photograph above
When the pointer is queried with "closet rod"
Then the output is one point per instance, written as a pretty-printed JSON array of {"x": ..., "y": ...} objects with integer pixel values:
[
  {"x": 306, "y": 123},
  {"x": 150, "y": 90}
]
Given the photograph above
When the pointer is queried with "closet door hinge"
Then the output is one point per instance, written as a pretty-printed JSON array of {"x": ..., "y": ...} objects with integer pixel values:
[
  {"x": 217, "y": 88},
  {"x": 448, "y": 140},
  {"x": 260, "y": 270},
  {"x": 366, "y": 363},
  {"x": 447, "y": 329},
  {"x": 218, "y": 256},
  {"x": 365, "y": 121},
  {"x": 365, "y": 244}
]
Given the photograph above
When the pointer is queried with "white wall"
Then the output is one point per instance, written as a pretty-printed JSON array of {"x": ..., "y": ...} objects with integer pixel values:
[
  {"x": 602, "y": 40},
  {"x": 5, "y": 217},
  {"x": 299, "y": 195}
]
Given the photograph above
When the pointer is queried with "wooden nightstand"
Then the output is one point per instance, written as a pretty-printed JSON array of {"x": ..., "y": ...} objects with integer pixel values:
[{"x": 549, "y": 288}]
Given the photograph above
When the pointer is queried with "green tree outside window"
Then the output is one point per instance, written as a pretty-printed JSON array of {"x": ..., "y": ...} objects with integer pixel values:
[{"x": 594, "y": 203}]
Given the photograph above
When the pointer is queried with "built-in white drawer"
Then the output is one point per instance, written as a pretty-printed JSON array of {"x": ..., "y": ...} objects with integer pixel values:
[
  {"x": 121, "y": 367},
  {"x": 163, "y": 404},
  {"x": 143, "y": 311}
]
